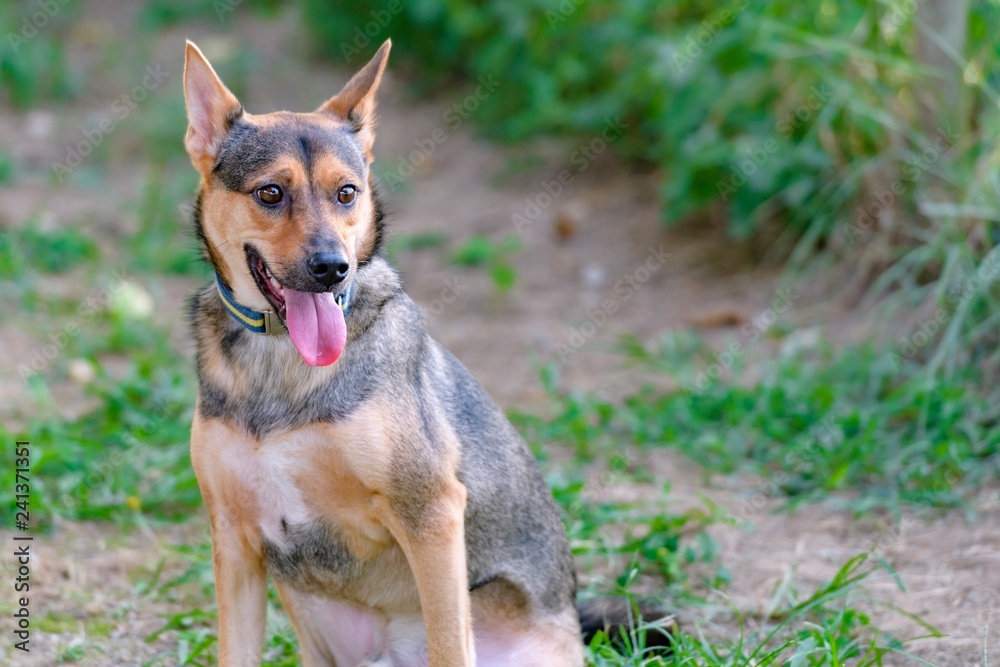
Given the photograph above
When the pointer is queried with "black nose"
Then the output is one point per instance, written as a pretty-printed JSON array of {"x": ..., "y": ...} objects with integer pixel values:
[{"x": 328, "y": 268}]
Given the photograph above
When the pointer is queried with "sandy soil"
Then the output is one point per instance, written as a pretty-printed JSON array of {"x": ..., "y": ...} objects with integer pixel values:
[{"x": 599, "y": 231}]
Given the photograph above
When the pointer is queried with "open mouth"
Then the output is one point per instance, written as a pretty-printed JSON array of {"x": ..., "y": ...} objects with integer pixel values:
[
  {"x": 268, "y": 285},
  {"x": 314, "y": 320}
]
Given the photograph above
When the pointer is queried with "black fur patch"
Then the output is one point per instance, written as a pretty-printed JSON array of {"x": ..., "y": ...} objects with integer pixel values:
[
  {"x": 312, "y": 551},
  {"x": 249, "y": 149},
  {"x": 378, "y": 221},
  {"x": 262, "y": 412},
  {"x": 199, "y": 231}
]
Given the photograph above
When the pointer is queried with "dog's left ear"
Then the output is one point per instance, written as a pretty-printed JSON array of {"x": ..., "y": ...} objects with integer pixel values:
[
  {"x": 211, "y": 109},
  {"x": 355, "y": 103}
]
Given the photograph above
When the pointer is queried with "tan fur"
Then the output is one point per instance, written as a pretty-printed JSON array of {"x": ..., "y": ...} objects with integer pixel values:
[
  {"x": 343, "y": 472},
  {"x": 241, "y": 221}
]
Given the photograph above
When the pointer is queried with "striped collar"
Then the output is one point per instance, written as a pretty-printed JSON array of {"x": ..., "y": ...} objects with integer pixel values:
[{"x": 266, "y": 322}]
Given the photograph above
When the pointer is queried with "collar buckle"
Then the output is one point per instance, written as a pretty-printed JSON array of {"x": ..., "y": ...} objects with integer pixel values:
[{"x": 273, "y": 326}]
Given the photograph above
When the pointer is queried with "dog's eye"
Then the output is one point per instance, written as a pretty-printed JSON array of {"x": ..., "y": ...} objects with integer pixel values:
[
  {"x": 347, "y": 194},
  {"x": 269, "y": 194}
]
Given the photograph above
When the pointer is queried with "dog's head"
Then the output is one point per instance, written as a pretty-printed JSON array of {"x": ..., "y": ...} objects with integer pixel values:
[{"x": 286, "y": 207}]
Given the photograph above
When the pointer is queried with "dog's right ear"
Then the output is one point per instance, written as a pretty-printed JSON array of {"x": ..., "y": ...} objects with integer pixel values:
[{"x": 211, "y": 109}]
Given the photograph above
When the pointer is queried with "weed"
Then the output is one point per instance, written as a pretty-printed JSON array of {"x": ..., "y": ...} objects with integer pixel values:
[
  {"x": 481, "y": 251},
  {"x": 34, "y": 67},
  {"x": 814, "y": 423},
  {"x": 29, "y": 248}
]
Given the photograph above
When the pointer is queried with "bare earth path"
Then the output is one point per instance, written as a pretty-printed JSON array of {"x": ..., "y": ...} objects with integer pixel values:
[{"x": 609, "y": 228}]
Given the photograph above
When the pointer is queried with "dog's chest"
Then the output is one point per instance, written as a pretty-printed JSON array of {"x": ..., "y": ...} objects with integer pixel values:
[{"x": 315, "y": 519}]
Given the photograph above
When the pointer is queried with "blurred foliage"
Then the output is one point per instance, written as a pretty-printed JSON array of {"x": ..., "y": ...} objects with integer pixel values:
[
  {"x": 802, "y": 117},
  {"x": 157, "y": 14},
  {"x": 33, "y": 63},
  {"x": 54, "y": 252},
  {"x": 479, "y": 250},
  {"x": 761, "y": 111}
]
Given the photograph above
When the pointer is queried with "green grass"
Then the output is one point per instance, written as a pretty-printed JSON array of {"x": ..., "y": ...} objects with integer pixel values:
[
  {"x": 859, "y": 427},
  {"x": 815, "y": 423},
  {"x": 165, "y": 242},
  {"x": 479, "y": 250},
  {"x": 851, "y": 425},
  {"x": 29, "y": 249},
  {"x": 826, "y": 627},
  {"x": 133, "y": 445},
  {"x": 34, "y": 67},
  {"x": 823, "y": 630}
]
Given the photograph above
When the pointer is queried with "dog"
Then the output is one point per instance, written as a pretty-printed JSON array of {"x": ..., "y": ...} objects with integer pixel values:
[{"x": 339, "y": 448}]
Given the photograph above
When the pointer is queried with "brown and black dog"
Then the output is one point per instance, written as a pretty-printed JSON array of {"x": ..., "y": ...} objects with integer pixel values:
[{"x": 338, "y": 447}]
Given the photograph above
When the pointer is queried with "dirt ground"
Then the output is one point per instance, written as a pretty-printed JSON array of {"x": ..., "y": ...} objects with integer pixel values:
[{"x": 597, "y": 232}]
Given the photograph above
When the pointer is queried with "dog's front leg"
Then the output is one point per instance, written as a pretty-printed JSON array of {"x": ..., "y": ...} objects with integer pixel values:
[
  {"x": 433, "y": 540},
  {"x": 240, "y": 577},
  {"x": 241, "y": 591}
]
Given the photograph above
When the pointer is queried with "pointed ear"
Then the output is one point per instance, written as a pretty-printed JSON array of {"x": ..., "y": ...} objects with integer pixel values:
[
  {"x": 355, "y": 103},
  {"x": 211, "y": 109}
]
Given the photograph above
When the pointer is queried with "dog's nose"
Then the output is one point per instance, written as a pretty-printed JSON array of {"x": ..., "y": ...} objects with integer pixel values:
[{"x": 328, "y": 268}]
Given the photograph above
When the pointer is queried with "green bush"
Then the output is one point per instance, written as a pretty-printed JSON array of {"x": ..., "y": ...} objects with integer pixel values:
[
  {"x": 755, "y": 111},
  {"x": 34, "y": 67}
]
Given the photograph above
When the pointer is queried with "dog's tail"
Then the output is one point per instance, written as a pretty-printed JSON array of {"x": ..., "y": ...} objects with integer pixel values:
[{"x": 620, "y": 617}]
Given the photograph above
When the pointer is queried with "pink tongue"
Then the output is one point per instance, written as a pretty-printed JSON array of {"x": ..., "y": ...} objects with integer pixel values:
[{"x": 316, "y": 325}]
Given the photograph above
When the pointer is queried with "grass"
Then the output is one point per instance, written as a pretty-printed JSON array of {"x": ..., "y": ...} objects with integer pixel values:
[
  {"x": 33, "y": 64},
  {"x": 479, "y": 250},
  {"x": 57, "y": 251},
  {"x": 130, "y": 453},
  {"x": 823, "y": 630},
  {"x": 870, "y": 427},
  {"x": 817, "y": 422}
]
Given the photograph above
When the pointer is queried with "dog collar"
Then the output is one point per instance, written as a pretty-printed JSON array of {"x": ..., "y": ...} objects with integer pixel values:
[{"x": 266, "y": 322}]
